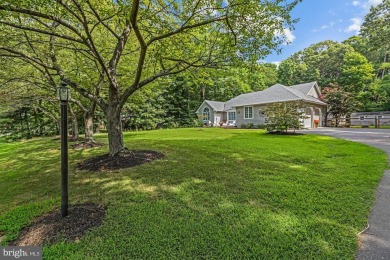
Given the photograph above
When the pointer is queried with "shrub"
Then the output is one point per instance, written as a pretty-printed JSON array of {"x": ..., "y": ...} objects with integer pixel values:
[
  {"x": 243, "y": 125},
  {"x": 282, "y": 116},
  {"x": 249, "y": 125},
  {"x": 197, "y": 123}
]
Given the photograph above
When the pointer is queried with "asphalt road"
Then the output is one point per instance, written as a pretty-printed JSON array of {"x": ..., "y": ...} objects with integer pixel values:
[{"x": 375, "y": 241}]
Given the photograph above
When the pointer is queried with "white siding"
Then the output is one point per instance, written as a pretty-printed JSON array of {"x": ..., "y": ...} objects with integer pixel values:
[
  {"x": 257, "y": 118},
  {"x": 201, "y": 113},
  {"x": 313, "y": 93}
]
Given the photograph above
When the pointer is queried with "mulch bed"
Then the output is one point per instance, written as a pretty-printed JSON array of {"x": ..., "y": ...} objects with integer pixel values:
[
  {"x": 126, "y": 159},
  {"x": 51, "y": 227}
]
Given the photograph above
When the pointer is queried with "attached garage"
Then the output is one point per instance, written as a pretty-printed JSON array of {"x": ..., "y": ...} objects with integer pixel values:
[{"x": 308, "y": 122}]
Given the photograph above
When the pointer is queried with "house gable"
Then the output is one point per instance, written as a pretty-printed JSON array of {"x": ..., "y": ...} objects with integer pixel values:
[
  {"x": 309, "y": 89},
  {"x": 216, "y": 106}
]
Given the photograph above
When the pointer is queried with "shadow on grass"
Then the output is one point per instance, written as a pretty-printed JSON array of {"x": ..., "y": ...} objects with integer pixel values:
[{"x": 233, "y": 195}]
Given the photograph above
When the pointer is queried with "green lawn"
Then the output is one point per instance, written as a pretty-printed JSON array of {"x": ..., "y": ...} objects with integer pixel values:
[{"x": 218, "y": 193}]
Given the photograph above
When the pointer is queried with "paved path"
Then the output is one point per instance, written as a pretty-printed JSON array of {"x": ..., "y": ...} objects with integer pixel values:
[{"x": 376, "y": 239}]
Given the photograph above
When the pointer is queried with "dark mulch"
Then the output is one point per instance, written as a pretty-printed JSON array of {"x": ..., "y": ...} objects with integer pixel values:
[
  {"x": 126, "y": 159},
  {"x": 85, "y": 145},
  {"x": 51, "y": 227}
]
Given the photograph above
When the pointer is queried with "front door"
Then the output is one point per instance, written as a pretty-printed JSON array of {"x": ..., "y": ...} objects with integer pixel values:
[{"x": 217, "y": 120}]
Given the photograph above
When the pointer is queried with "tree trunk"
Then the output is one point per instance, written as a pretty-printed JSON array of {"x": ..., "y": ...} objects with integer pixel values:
[
  {"x": 326, "y": 118},
  {"x": 384, "y": 61},
  {"x": 202, "y": 93},
  {"x": 114, "y": 129},
  {"x": 74, "y": 123},
  {"x": 88, "y": 123},
  {"x": 28, "y": 125}
]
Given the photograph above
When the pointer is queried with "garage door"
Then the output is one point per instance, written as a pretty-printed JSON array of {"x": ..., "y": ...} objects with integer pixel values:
[{"x": 308, "y": 119}]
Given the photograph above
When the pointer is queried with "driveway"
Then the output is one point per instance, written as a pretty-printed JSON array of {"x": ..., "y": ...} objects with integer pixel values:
[{"x": 375, "y": 241}]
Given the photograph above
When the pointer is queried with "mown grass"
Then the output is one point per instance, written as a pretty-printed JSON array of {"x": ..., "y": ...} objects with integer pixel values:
[{"x": 218, "y": 193}]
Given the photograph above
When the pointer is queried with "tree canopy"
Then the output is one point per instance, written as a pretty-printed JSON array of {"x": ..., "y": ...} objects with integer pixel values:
[{"x": 107, "y": 50}]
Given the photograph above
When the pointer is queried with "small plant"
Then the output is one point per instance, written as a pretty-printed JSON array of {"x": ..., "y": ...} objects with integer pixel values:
[
  {"x": 249, "y": 125},
  {"x": 243, "y": 126},
  {"x": 197, "y": 123}
]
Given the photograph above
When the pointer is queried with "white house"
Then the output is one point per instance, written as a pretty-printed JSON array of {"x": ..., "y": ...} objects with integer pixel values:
[{"x": 249, "y": 107}]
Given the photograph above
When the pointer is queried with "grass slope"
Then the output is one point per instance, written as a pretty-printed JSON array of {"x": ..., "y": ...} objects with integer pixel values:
[{"x": 218, "y": 193}]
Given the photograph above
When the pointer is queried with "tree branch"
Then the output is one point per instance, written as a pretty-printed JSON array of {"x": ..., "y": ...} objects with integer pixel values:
[
  {"x": 41, "y": 31},
  {"x": 143, "y": 45},
  {"x": 92, "y": 45},
  {"x": 171, "y": 71},
  {"x": 79, "y": 104},
  {"x": 101, "y": 21},
  {"x": 42, "y": 15},
  {"x": 25, "y": 56},
  {"x": 71, "y": 83},
  {"x": 120, "y": 46},
  {"x": 186, "y": 27}
]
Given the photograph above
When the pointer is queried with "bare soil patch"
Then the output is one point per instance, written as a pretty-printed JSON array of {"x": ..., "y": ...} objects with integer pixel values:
[
  {"x": 51, "y": 227},
  {"x": 85, "y": 145},
  {"x": 126, "y": 159}
]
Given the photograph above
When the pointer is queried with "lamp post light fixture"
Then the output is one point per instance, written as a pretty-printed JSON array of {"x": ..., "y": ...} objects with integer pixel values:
[{"x": 64, "y": 97}]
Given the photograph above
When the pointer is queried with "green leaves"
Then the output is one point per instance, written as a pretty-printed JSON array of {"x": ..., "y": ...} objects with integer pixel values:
[
  {"x": 340, "y": 102},
  {"x": 376, "y": 26},
  {"x": 283, "y": 116},
  {"x": 356, "y": 73}
]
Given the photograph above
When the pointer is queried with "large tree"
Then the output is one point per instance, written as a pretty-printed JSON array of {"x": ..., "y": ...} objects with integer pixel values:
[
  {"x": 320, "y": 62},
  {"x": 376, "y": 29},
  {"x": 356, "y": 72},
  {"x": 133, "y": 43}
]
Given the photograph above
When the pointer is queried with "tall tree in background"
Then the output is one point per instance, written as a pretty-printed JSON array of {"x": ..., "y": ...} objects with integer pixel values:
[
  {"x": 356, "y": 72},
  {"x": 133, "y": 43},
  {"x": 376, "y": 29},
  {"x": 321, "y": 62}
]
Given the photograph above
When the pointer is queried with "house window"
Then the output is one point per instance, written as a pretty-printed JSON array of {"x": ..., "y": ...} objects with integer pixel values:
[
  {"x": 248, "y": 112},
  {"x": 206, "y": 114},
  {"x": 231, "y": 115}
]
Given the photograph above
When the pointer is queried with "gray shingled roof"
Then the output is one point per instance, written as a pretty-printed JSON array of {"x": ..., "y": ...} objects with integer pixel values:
[
  {"x": 305, "y": 87},
  {"x": 274, "y": 94},
  {"x": 216, "y": 105}
]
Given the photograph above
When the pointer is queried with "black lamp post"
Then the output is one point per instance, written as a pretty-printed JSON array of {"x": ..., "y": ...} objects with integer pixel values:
[{"x": 64, "y": 96}]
